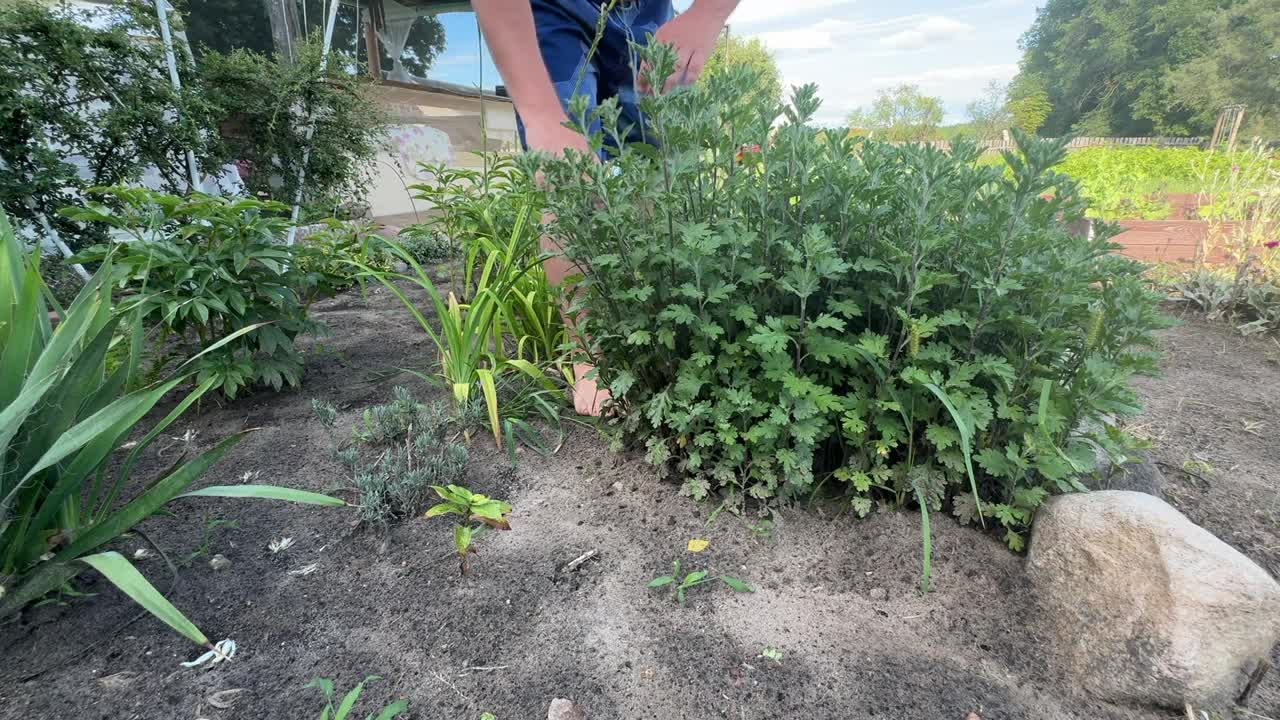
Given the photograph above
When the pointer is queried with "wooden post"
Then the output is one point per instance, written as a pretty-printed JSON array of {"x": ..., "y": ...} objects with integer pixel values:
[
  {"x": 371, "y": 47},
  {"x": 310, "y": 129},
  {"x": 1231, "y": 146},
  {"x": 285, "y": 31},
  {"x": 162, "y": 14}
]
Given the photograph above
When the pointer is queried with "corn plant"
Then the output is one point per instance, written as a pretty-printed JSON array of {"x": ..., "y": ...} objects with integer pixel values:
[
  {"x": 472, "y": 344},
  {"x": 343, "y": 710},
  {"x": 63, "y": 413},
  {"x": 487, "y": 212}
]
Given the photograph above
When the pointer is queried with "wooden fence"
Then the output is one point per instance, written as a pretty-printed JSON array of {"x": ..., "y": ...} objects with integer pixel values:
[{"x": 1085, "y": 142}]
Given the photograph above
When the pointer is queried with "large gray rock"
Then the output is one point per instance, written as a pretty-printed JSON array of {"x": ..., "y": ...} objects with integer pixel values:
[{"x": 1141, "y": 605}]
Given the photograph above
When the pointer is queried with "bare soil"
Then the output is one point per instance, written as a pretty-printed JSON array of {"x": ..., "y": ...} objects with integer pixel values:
[{"x": 838, "y": 596}]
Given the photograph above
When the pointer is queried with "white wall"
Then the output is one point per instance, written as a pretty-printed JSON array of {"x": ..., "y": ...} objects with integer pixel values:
[{"x": 433, "y": 127}]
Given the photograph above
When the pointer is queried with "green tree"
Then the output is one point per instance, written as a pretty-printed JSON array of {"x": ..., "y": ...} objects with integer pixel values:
[
  {"x": 989, "y": 115},
  {"x": 731, "y": 51},
  {"x": 1240, "y": 65},
  {"x": 88, "y": 91},
  {"x": 900, "y": 114},
  {"x": 254, "y": 97},
  {"x": 1028, "y": 103},
  {"x": 1106, "y": 63}
]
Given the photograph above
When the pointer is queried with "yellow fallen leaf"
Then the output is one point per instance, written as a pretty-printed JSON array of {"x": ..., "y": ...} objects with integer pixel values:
[{"x": 698, "y": 544}]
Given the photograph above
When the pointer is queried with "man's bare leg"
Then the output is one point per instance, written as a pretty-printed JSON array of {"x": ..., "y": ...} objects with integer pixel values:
[{"x": 588, "y": 398}]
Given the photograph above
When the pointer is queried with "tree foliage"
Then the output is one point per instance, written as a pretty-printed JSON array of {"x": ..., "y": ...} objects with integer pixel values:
[
  {"x": 1240, "y": 65},
  {"x": 256, "y": 100},
  {"x": 98, "y": 92},
  {"x": 733, "y": 51},
  {"x": 1135, "y": 67},
  {"x": 70, "y": 89},
  {"x": 901, "y": 113},
  {"x": 989, "y": 115},
  {"x": 1028, "y": 103}
]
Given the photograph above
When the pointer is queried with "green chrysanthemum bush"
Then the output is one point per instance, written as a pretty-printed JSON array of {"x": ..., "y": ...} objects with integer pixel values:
[{"x": 779, "y": 311}]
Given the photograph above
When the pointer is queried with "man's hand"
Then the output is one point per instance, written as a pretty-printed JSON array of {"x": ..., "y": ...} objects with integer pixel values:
[
  {"x": 693, "y": 33},
  {"x": 549, "y": 135}
]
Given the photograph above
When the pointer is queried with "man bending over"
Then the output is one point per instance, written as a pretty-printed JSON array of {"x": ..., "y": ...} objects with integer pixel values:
[{"x": 541, "y": 48}]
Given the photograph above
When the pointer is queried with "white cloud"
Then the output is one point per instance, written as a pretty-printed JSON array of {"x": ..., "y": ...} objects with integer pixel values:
[
  {"x": 947, "y": 77},
  {"x": 845, "y": 83},
  {"x": 906, "y": 32},
  {"x": 830, "y": 33},
  {"x": 801, "y": 39},
  {"x": 929, "y": 31},
  {"x": 996, "y": 5},
  {"x": 751, "y": 12},
  {"x": 853, "y": 50}
]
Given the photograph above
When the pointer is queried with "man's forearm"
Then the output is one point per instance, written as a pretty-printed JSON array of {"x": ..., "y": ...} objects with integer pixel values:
[
  {"x": 716, "y": 10},
  {"x": 509, "y": 31}
]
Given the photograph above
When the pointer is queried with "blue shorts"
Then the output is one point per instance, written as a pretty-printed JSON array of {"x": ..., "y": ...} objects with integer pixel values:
[{"x": 566, "y": 29}]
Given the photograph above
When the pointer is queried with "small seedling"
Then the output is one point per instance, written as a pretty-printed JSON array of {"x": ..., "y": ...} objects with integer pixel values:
[
  {"x": 762, "y": 530},
  {"x": 344, "y": 709},
  {"x": 772, "y": 653},
  {"x": 205, "y": 548},
  {"x": 472, "y": 507},
  {"x": 694, "y": 579}
]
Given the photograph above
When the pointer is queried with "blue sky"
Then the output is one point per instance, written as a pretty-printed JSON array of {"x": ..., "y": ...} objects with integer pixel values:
[
  {"x": 458, "y": 63},
  {"x": 850, "y": 48},
  {"x": 853, "y": 48}
]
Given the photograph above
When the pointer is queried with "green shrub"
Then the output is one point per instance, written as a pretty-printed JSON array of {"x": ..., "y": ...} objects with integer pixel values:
[
  {"x": 399, "y": 451},
  {"x": 1129, "y": 182},
  {"x": 469, "y": 203},
  {"x": 256, "y": 99},
  {"x": 93, "y": 85},
  {"x": 778, "y": 309},
  {"x": 427, "y": 245},
  {"x": 88, "y": 89},
  {"x": 333, "y": 256},
  {"x": 205, "y": 267},
  {"x": 63, "y": 414}
]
